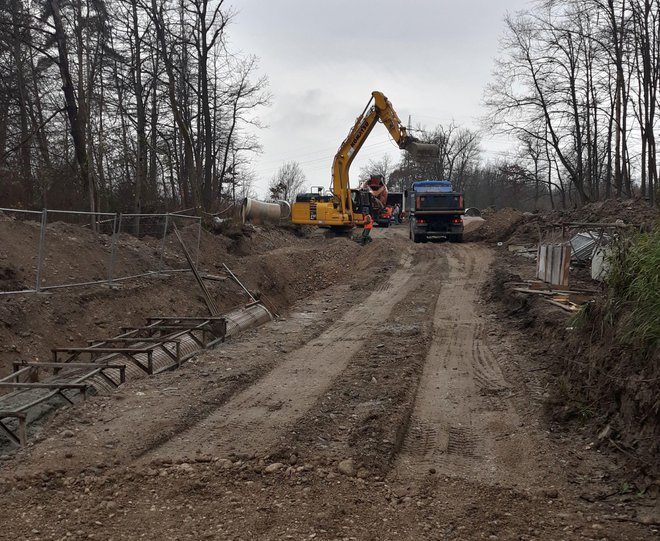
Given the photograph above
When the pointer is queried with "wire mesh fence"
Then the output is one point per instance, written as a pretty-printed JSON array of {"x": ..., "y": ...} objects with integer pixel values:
[
  {"x": 54, "y": 249},
  {"x": 21, "y": 273}
]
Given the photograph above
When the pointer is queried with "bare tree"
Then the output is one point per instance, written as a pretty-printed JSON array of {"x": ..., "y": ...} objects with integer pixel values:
[
  {"x": 459, "y": 153},
  {"x": 287, "y": 182},
  {"x": 378, "y": 167}
]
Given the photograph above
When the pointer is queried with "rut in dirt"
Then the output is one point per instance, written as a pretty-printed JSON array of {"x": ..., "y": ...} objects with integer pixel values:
[
  {"x": 364, "y": 413},
  {"x": 464, "y": 423}
]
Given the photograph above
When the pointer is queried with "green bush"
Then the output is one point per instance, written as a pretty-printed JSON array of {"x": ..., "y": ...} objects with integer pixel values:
[{"x": 634, "y": 290}]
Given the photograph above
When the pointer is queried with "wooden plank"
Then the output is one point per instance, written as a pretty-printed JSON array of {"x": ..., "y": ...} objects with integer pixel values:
[
  {"x": 214, "y": 278},
  {"x": 104, "y": 350},
  {"x": 566, "y": 307},
  {"x": 555, "y": 270},
  {"x": 69, "y": 365},
  {"x": 186, "y": 318},
  {"x": 549, "y": 292},
  {"x": 566, "y": 265},
  {"x": 540, "y": 268},
  {"x": 135, "y": 339},
  {"x": 15, "y": 374},
  {"x": 9, "y": 385}
]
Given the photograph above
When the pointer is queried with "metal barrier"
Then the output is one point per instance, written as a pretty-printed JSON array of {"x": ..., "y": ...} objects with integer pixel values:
[
  {"x": 113, "y": 230},
  {"x": 32, "y": 240}
]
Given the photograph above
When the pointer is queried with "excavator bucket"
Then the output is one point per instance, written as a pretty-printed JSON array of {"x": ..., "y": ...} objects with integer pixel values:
[{"x": 423, "y": 152}]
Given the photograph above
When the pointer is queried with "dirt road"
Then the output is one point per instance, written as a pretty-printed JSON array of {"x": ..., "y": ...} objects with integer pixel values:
[{"x": 391, "y": 406}]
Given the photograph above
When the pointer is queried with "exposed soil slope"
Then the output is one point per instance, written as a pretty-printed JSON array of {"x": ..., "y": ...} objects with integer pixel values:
[
  {"x": 390, "y": 405},
  {"x": 272, "y": 262}
]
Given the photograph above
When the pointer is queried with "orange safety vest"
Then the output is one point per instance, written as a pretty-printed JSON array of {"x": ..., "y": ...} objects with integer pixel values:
[{"x": 368, "y": 224}]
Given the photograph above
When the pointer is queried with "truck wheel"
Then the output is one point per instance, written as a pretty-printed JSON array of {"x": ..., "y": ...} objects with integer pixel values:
[
  {"x": 417, "y": 238},
  {"x": 456, "y": 238}
]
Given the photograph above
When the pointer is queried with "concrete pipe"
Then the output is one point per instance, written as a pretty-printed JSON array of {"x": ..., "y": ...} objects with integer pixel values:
[
  {"x": 285, "y": 208},
  {"x": 259, "y": 212}
]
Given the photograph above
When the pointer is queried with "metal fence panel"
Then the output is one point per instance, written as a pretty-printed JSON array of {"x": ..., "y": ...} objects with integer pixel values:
[
  {"x": 69, "y": 248},
  {"x": 18, "y": 268}
]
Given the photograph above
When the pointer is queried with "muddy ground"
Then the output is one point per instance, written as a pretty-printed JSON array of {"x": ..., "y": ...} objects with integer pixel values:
[
  {"x": 274, "y": 263},
  {"x": 389, "y": 401}
]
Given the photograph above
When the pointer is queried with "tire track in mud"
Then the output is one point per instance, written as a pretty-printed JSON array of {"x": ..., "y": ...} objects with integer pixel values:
[
  {"x": 463, "y": 419},
  {"x": 250, "y": 421},
  {"x": 364, "y": 414}
]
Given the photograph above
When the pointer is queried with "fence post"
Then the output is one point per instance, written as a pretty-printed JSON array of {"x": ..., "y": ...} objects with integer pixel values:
[
  {"x": 40, "y": 253},
  {"x": 162, "y": 244},
  {"x": 116, "y": 226},
  {"x": 199, "y": 238}
]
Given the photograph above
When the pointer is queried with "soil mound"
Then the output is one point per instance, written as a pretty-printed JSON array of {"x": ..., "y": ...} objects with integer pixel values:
[
  {"x": 513, "y": 226},
  {"x": 498, "y": 225},
  {"x": 631, "y": 211},
  {"x": 272, "y": 262}
]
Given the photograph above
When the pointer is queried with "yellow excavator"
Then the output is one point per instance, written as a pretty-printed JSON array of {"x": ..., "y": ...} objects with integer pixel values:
[{"x": 346, "y": 208}]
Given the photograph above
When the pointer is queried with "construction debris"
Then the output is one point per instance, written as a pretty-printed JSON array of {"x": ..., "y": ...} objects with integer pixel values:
[
  {"x": 554, "y": 264},
  {"x": 566, "y": 299}
]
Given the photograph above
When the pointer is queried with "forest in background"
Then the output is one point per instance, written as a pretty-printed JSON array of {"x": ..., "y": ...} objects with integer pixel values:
[
  {"x": 576, "y": 86},
  {"x": 139, "y": 105},
  {"x": 124, "y": 105}
]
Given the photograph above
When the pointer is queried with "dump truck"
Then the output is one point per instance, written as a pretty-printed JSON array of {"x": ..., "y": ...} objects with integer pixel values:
[{"x": 436, "y": 211}]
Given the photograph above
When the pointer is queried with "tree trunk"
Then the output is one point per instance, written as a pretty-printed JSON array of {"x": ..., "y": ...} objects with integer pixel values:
[
  {"x": 186, "y": 139},
  {"x": 75, "y": 120},
  {"x": 140, "y": 121}
]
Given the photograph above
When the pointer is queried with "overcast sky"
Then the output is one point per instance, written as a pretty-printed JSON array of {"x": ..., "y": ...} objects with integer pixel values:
[{"x": 431, "y": 58}]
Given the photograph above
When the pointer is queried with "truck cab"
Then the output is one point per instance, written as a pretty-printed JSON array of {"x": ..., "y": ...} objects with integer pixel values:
[{"x": 436, "y": 211}]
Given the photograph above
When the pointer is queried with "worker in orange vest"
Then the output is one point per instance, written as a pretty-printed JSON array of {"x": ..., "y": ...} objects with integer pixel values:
[{"x": 367, "y": 227}]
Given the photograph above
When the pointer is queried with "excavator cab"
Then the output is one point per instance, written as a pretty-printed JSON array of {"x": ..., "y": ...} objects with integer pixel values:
[{"x": 361, "y": 200}]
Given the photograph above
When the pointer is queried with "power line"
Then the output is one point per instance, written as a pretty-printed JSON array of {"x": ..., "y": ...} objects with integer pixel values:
[{"x": 327, "y": 157}]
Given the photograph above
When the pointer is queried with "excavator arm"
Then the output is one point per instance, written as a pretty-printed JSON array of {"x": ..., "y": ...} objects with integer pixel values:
[
  {"x": 378, "y": 109},
  {"x": 337, "y": 213}
]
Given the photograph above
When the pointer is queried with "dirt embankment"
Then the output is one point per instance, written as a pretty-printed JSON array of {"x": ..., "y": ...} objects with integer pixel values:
[
  {"x": 272, "y": 262},
  {"x": 390, "y": 405},
  {"x": 513, "y": 226},
  {"x": 597, "y": 384}
]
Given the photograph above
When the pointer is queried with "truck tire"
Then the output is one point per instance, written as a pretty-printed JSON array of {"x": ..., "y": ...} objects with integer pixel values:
[
  {"x": 456, "y": 238},
  {"x": 418, "y": 238}
]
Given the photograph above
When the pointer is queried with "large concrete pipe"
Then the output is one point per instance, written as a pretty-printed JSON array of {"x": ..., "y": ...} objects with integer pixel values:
[
  {"x": 285, "y": 207},
  {"x": 259, "y": 212}
]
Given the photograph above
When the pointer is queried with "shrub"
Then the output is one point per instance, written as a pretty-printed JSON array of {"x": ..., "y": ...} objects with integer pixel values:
[{"x": 634, "y": 291}]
